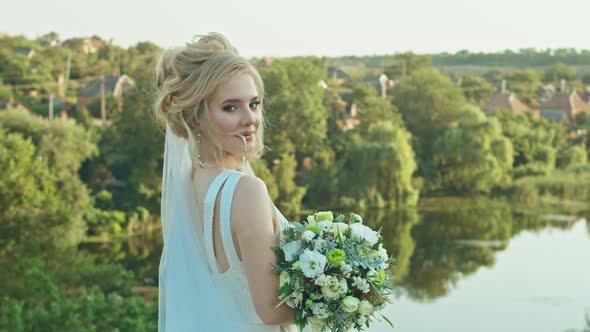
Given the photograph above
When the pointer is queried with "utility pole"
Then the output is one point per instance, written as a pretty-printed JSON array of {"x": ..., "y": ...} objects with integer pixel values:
[
  {"x": 103, "y": 110},
  {"x": 68, "y": 66},
  {"x": 51, "y": 107}
]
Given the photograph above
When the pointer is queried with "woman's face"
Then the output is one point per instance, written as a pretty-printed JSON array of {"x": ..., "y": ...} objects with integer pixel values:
[{"x": 233, "y": 110}]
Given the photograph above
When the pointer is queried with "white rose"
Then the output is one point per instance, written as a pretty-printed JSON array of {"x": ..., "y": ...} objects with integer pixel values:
[
  {"x": 325, "y": 225},
  {"x": 332, "y": 290},
  {"x": 382, "y": 252},
  {"x": 365, "y": 307},
  {"x": 315, "y": 323},
  {"x": 312, "y": 263},
  {"x": 339, "y": 226},
  {"x": 291, "y": 249},
  {"x": 361, "y": 233},
  {"x": 311, "y": 220},
  {"x": 350, "y": 304},
  {"x": 307, "y": 236}
]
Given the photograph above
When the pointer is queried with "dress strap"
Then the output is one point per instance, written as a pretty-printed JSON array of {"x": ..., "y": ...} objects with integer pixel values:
[
  {"x": 209, "y": 209},
  {"x": 225, "y": 220}
]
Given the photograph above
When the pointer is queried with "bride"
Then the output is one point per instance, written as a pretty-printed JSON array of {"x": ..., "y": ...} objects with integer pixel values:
[{"x": 219, "y": 223}]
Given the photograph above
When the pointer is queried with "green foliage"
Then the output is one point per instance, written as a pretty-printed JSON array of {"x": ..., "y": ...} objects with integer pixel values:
[
  {"x": 406, "y": 64},
  {"x": 387, "y": 163},
  {"x": 294, "y": 98},
  {"x": 558, "y": 72},
  {"x": 474, "y": 156},
  {"x": 534, "y": 140},
  {"x": 132, "y": 148},
  {"x": 56, "y": 300},
  {"x": 290, "y": 194},
  {"x": 48, "y": 193},
  {"x": 476, "y": 89},
  {"x": 429, "y": 103},
  {"x": 524, "y": 83},
  {"x": 572, "y": 155}
]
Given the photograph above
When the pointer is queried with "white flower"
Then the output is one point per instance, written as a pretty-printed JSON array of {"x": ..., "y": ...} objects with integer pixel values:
[
  {"x": 325, "y": 225},
  {"x": 350, "y": 304},
  {"x": 295, "y": 300},
  {"x": 339, "y": 225},
  {"x": 361, "y": 233},
  {"x": 346, "y": 269},
  {"x": 361, "y": 284},
  {"x": 316, "y": 323},
  {"x": 333, "y": 290},
  {"x": 311, "y": 220},
  {"x": 307, "y": 236},
  {"x": 343, "y": 286},
  {"x": 365, "y": 307},
  {"x": 291, "y": 249},
  {"x": 319, "y": 310},
  {"x": 312, "y": 263},
  {"x": 322, "y": 280},
  {"x": 284, "y": 278},
  {"x": 382, "y": 252},
  {"x": 361, "y": 320},
  {"x": 355, "y": 218},
  {"x": 318, "y": 244}
]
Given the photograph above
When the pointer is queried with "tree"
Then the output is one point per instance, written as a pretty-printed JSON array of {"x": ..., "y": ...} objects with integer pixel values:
[
  {"x": 476, "y": 89},
  {"x": 405, "y": 64},
  {"x": 429, "y": 103},
  {"x": 294, "y": 108},
  {"x": 378, "y": 170},
  {"x": 63, "y": 147},
  {"x": 473, "y": 156},
  {"x": 559, "y": 71},
  {"x": 524, "y": 83}
]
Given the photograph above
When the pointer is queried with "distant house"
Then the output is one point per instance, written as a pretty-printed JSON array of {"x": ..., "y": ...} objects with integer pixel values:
[
  {"x": 380, "y": 82},
  {"x": 11, "y": 105},
  {"x": 545, "y": 92},
  {"x": 26, "y": 52},
  {"x": 337, "y": 74},
  {"x": 563, "y": 107},
  {"x": 86, "y": 45},
  {"x": 507, "y": 102},
  {"x": 114, "y": 85},
  {"x": 350, "y": 119}
]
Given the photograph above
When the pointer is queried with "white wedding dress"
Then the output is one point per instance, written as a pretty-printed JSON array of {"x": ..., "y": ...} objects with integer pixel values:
[
  {"x": 194, "y": 297},
  {"x": 193, "y": 294}
]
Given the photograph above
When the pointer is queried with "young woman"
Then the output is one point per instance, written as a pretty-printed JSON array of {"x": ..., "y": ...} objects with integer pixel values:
[{"x": 219, "y": 223}]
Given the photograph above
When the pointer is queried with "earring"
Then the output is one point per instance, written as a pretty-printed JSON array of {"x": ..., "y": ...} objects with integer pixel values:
[{"x": 199, "y": 148}]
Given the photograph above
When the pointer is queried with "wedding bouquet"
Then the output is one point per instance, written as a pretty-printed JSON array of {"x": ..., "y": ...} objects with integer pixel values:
[{"x": 334, "y": 272}]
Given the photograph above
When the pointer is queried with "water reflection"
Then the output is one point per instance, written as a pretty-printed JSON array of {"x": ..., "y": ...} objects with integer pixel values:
[{"x": 437, "y": 245}]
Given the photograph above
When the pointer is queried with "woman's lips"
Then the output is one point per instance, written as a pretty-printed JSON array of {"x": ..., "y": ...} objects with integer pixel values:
[{"x": 248, "y": 136}]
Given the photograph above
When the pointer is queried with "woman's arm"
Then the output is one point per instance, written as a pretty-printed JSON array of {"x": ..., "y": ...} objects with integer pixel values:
[{"x": 251, "y": 217}]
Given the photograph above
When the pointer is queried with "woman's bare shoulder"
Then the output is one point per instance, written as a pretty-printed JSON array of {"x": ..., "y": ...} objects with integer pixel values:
[{"x": 251, "y": 201}]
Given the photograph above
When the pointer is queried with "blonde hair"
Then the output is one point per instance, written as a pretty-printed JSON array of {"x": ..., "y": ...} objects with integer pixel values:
[{"x": 187, "y": 76}]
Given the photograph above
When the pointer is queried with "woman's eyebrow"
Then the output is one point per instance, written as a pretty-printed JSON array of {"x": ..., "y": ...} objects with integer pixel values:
[{"x": 234, "y": 100}]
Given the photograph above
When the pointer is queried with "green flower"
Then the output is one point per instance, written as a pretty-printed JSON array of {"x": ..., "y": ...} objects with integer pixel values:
[
  {"x": 314, "y": 228},
  {"x": 324, "y": 215},
  {"x": 336, "y": 256}
]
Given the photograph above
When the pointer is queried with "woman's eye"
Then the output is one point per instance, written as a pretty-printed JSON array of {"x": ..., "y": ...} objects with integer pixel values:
[
  {"x": 230, "y": 108},
  {"x": 254, "y": 104}
]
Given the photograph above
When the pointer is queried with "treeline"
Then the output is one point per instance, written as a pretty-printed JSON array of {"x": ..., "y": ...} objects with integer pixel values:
[{"x": 519, "y": 59}]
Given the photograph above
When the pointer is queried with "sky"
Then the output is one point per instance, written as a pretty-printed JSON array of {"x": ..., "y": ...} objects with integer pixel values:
[{"x": 314, "y": 27}]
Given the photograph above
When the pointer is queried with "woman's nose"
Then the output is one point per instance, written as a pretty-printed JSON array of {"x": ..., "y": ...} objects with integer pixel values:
[{"x": 249, "y": 117}]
